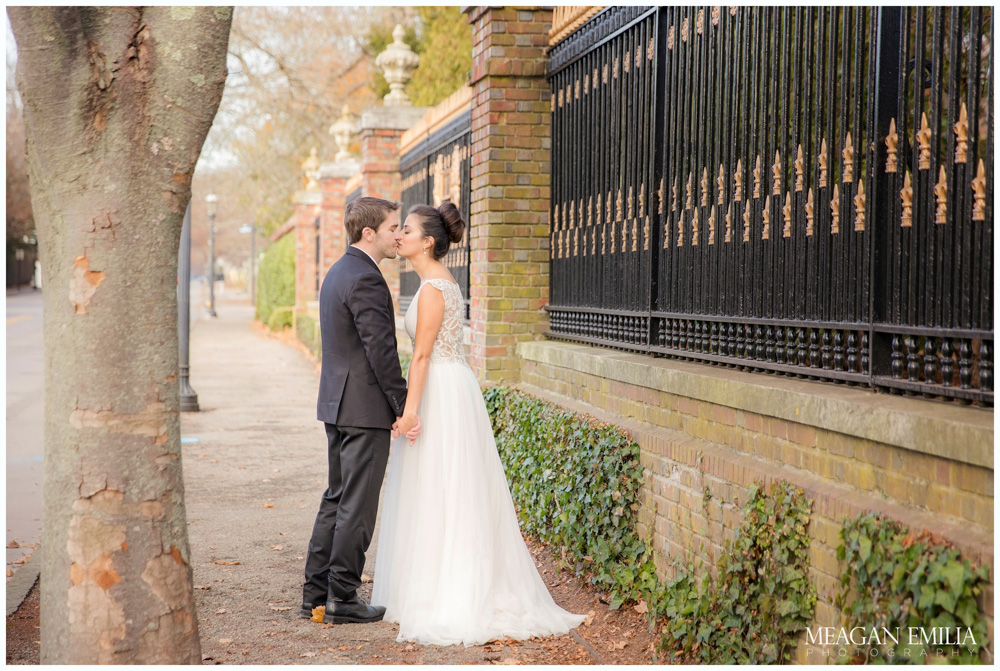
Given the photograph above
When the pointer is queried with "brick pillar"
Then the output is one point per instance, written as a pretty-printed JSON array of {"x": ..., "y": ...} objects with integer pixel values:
[
  {"x": 333, "y": 239},
  {"x": 381, "y": 129},
  {"x": 307, "y": 211},
  {"x": 511, "y": 143}
]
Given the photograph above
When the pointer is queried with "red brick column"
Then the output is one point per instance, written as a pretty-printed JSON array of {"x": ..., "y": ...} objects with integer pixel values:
[
  {"x": 511, "y": 143},
  {"x": 307, "y": 210},
  {"x": 333, "y": 239},
  {"x": 380, "y": 178}
]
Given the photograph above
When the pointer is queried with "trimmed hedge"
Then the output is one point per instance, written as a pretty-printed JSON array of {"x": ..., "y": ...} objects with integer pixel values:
[
  {"x": 307, "y": 331},
  {"x": 276, "y": 280},
  {"x": 281, "y": 318}
]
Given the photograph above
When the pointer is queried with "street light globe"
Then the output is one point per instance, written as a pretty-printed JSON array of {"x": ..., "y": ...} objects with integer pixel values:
[{"x": 211, "y": 199}]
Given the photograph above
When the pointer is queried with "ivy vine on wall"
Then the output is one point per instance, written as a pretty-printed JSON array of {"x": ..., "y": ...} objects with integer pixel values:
[
  {"x": 920, "y": 591},
  {"x": 760, "y": 596}
]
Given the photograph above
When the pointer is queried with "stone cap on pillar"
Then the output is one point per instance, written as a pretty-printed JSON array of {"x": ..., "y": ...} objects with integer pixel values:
[
  {"x": 391, "y": 118},
  {"x": 308, "y": 197},
  {"x": 339, "y": 169}
]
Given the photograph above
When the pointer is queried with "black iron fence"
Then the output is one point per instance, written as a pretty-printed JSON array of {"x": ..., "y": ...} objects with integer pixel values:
[
  {"x": 796, "y": 190},
  {"x": 434, "y": 171}
]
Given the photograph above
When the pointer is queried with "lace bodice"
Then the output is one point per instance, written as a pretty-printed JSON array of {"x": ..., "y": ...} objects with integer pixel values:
[{"x": 448, "y": 347}]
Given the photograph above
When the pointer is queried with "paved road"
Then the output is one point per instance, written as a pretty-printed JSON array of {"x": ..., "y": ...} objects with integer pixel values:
[
  {"x": 25, "y": 422},
  {"x": 26, "y": 416}
]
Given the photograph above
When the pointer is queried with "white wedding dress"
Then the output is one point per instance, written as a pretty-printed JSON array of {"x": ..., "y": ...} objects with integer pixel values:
[{"x": 451, "y": 565}]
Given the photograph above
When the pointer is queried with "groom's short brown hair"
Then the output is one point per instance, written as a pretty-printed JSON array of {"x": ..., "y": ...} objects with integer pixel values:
[{"x": 366, "y": 212}]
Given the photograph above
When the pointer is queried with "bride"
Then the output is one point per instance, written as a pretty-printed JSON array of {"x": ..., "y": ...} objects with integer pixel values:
[{"x": 451, "y": 565}]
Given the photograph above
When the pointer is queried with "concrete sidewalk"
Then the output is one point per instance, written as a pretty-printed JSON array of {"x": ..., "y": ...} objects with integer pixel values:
[{"x": 254, "y": 471}]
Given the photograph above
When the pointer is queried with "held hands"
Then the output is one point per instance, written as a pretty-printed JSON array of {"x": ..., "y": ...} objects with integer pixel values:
[{"x": 408, "y": 425}]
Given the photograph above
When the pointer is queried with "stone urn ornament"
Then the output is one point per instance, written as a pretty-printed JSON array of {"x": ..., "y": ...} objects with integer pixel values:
[
  {"x": 396, "y": 63},
  {"x": 343, "y": 131}
]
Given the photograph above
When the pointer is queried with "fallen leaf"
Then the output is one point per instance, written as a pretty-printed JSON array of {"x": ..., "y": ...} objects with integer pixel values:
[
  {"x": 211, "y": 547},
  {"x": 281, "y": 608},
  {"x": 268, "y": 505},
  {"x": 203, "y": 587},
  {"x": 359, "y": 647},
  {"x": 300, "y": 558},
  {"x": 220, "y": 611},
  {"x": 589, "y": 619},
  {"x": 277, "y": 470},
  {"x": 342, "y": 648},
  {"x": 279, "y": 547},
  {"x": 317, "y": 613},
  {"x": 410, "y": 647},
  {"x": 308, "y": 654},
  {"x": 13, "y": 544},
  {"x": 9, "y": 573},
  {"x": 224, "y": 641},
  {"x": 365, "y": 578},
  {"x": 641, "y": 607},
  {"x": 226, "y": 563}
]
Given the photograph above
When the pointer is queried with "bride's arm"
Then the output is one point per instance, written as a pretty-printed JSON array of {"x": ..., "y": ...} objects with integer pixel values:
[{"x": 430, "y": 314}]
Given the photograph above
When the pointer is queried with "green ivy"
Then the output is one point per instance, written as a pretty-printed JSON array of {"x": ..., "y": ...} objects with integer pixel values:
[
  {"x": 576, "y": 484},
  {"x": 761, "y": 596},
  {"x": 404, "y": 362},
  {"x": 897, "y": 579}
]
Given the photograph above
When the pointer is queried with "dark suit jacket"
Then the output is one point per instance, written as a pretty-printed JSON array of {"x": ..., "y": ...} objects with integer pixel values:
[{"x": 361, "y": 383}]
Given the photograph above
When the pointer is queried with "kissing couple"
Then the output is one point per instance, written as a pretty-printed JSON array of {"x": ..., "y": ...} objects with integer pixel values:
[{"x": 451, "y": 565}]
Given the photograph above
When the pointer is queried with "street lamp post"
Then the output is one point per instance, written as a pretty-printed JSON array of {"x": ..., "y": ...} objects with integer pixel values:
[
  {"x": 189, "y": 399},
  {"x": 210, "y": 201}
]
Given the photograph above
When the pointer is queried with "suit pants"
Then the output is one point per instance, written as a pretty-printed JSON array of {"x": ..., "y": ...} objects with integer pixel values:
[{"x": 346, "y": 518}]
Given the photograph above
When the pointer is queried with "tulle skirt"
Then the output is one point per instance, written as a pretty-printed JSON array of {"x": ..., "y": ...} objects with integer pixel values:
[{"x": 451, "y": 565}]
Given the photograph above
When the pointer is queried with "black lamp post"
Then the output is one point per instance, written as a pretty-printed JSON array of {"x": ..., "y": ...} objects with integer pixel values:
[
  {"x": 210, "y": 201},
  {"x": 189, "y": 399}
]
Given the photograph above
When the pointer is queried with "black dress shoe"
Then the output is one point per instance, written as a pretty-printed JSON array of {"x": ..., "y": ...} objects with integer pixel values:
[
  {"x": 353, "y": 610},
  {"x": 307, "y": 611}
]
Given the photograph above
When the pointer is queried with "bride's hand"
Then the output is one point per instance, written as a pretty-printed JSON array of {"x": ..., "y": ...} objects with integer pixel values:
[
  {"x": 406, "y": 423},
  {"x": 413, "y": 433}
]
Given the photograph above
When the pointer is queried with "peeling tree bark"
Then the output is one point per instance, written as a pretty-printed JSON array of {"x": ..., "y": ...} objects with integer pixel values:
[{"x": 118, "y": 101}]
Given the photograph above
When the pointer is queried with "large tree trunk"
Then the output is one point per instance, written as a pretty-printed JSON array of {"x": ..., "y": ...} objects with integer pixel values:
[{"x": 117, "y": 105}]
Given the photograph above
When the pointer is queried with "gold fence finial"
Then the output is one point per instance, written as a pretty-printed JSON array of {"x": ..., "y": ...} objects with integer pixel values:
[
  {"x": 859, "y": 207},
  {"x": 924, "y": 141},
  {"x": 979, "y": 194},
  {"x": 906, "y": 196},
  {"x": 962, "y": 136},
  {"x": 848, "y": 157},
  {"x": 891, "y": 141},
  {"x": 941, "y": 194},
  {"x": 835, "y": 211}
]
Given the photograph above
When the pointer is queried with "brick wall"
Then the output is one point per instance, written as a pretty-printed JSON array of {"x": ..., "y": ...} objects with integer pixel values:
[
  {"x": 510, "y": 155},
  {"x": 700, "y": 457}
]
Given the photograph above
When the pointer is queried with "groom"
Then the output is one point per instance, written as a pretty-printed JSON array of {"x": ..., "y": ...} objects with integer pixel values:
[{"x": 361, "y": 396}]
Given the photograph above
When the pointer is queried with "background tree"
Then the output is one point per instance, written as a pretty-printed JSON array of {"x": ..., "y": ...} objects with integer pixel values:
[
  {"x": 117, "y": 103},
  {"x": 293, "y": 70}
]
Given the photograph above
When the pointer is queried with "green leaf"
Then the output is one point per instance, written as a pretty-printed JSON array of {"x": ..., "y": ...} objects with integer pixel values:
[
  {"x": 954, "y": 574},
  {"x": 864, "y": 548}
]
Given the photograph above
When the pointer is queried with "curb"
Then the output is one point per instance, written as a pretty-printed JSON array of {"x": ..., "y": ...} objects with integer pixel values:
[{"x": 23, "y": 580}]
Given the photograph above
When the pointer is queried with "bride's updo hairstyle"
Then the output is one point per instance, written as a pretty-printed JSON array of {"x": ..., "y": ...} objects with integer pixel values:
[{"x": 444, "y": 224}]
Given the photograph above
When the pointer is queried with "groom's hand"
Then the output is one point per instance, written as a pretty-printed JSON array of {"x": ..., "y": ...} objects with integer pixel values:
[{"x": 395, "y": 428}]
